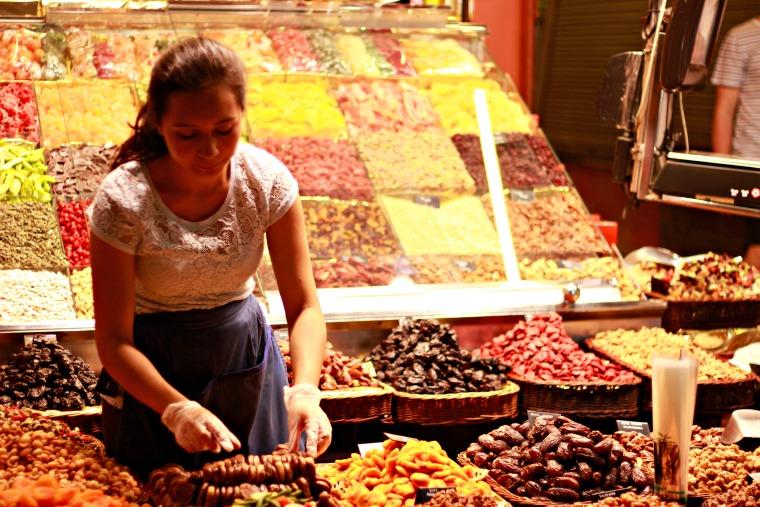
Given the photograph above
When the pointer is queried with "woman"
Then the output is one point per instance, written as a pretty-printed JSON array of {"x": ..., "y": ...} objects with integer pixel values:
[{"x": 178, "y": 229}]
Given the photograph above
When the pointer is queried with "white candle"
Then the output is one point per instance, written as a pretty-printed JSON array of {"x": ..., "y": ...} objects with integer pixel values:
[{"x": 674, "y": 394}]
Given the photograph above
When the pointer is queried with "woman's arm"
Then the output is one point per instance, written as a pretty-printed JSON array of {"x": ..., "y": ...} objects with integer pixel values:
[
  {"x": 289, "y": 251},
  {"x": 726, "y": 99},
  {"x": 113, "y": 290}
]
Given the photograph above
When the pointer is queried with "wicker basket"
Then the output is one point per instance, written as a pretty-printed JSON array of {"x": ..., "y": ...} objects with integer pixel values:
[
  {"x": 713, "y": 396},
  {"x": 591, "y": 400},
  {"x": 457, "y": 408},
  {"x": 87, "y": 420},
  {"x": 357, "y": 404},
  {"x": 710, "y": 314},
  {"x": 503, "y": 492}
]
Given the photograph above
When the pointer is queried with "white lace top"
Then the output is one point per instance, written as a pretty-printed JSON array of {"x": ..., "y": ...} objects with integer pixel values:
[{"x": 183, "y": 265}]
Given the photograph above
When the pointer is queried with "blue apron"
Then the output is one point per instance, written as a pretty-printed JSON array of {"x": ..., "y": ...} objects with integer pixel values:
[{"x": 227, "y": 360}]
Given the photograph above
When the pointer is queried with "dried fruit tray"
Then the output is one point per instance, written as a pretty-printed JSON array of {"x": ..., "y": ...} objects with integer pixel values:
[
  {"x": 508, "y": 495},
  {"x": 713, "y": 396},
  {"x": 357, "y": 404},
  {"x": 592, "y": 400},
  {"x": 456, "y": 408}
]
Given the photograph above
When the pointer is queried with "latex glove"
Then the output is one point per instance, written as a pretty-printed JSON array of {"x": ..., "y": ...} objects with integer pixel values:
[
  {"x": 196, "y": 429},
  {"x": 305, "y": 415}
]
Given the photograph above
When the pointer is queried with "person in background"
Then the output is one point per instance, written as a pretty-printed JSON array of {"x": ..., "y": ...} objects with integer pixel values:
[
  {"x": 736, "y": 119},
  {"x": 190, "y": 365}
]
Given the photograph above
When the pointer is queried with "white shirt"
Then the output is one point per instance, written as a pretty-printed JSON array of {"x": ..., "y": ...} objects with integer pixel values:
[
  {"x": 738, "y": 66},
  {"x": 184, "y": 265}
]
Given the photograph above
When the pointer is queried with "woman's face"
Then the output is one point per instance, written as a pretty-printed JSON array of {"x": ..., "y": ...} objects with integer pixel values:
[{"x": 201, "y": 129}]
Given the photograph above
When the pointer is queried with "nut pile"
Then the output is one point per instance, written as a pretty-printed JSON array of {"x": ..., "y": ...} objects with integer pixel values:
[
  {"x": 452, "y": 498},
  {"x": 634, "y": 350},
  {"x": 640, "y": 445},
  {"x": 28, "y": 296},
  {"x": 456, "y": 226},
  {"x": 338, "y": 370},
  {"x": 602, "y": 268},
  {"x": 372, "y": 106},
  {"x": 701, "y": 437},
  {"x": 347, "y": 228},
  {"x": 457, "y": 269},
  {"x": 322, "y": 167},
  {"x": 81, "y": 289},
  {"x": 629, "y": 499},
  {"x": 715, "y": 278},
  {"x": 390, "y": 476},
  {"x": 430, "y": 163},
  {"x": 554, "y": 225},
  {"x": 747, "y": 497},
  {"x": 79, "y": 170},
  {"x": 524, "y": 161},
  {"x": 423, "y": 357},
  {"x": 556, "y": 459},
  {"x": 46, "y": 376},
  {"x": 539, "y": 348},
  {"x": 33, "y": 446},
  {"x": 720, "y": 468},
  {"x": 222, "y": 482},
  {"x": 353, "y": 272}
]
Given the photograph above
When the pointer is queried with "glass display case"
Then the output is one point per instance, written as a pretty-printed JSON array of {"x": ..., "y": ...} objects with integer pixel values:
[{"x": 371, "y": 109}]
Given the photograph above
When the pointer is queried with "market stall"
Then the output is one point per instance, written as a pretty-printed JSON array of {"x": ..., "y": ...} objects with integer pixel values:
[{"x": 372, "y": 111}]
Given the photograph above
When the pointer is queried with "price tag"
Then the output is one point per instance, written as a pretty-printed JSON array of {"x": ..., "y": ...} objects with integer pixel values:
[
  {"x": 636, "y": 426},
  {"x": 365, "y": 448},
  {"x": 522, "y": 195},
  {"x": 369, "y": 369},
  {"x": 466, "y": 266},
  {"x": 753, "y": 478},
  {"x": 399, "y": 438},
  {"x": 564, "y": 263},
  {"x": 608, "y": 494},
  {"x": 533, "y": 415},
  {"x": 424, "y": 495},
  {"x": 40, "y": 338},
  {"x": 500, "y": 138},
  {"x": 428, "y": 200}
]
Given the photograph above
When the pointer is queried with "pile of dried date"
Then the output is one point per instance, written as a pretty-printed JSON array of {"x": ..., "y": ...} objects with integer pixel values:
[
  {"x": 222, "y": 482},
  {"x": 557, "y": 460},
  {"x": 338, "y": 370},
  {"x": 423, "y": 357},
  {"x": 46, "y": 376}
]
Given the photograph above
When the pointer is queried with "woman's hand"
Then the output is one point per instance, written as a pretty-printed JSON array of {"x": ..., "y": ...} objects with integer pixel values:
[
  {"x": 305, "y": 416},
  {"x": 196, "y": 429}
]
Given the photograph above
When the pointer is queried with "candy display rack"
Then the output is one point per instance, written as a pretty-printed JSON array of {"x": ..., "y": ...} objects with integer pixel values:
[{"x": 455, "y": 53}]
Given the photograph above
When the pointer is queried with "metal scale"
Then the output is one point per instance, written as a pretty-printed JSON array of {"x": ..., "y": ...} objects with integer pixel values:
[{"x": 640, "y": 96}]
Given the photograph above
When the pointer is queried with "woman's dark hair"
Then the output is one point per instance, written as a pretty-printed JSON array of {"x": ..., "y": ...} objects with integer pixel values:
[{"x": 186, "y": 66}]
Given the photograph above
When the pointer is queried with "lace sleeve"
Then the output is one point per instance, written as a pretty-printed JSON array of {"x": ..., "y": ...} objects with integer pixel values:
[
  {"x": 279, "y": 186},
  {"x": 111, "y": 219}
]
